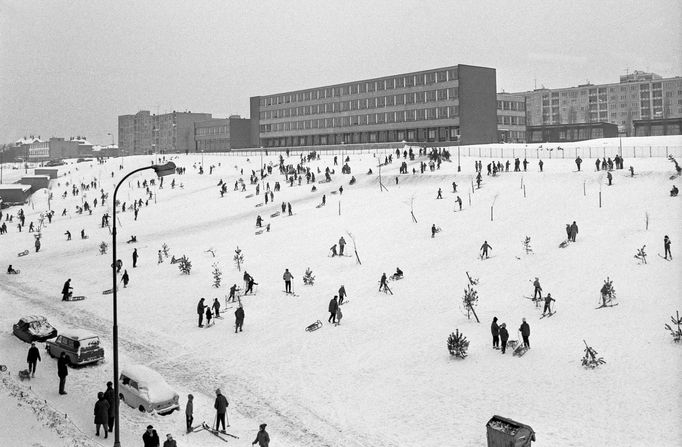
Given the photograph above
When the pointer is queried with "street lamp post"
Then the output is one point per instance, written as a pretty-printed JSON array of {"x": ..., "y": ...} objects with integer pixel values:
[
  {"x": 459, "y": 166},
  {"x": 161, "y": 170}
]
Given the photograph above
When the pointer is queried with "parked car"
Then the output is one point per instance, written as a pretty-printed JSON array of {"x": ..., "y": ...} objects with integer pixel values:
[
  {"x": 145, "y": 389},
  {"x": 55, "y": 163},
  {"x": 80, "y": 347},
  {"x": 33, "y": 328}
]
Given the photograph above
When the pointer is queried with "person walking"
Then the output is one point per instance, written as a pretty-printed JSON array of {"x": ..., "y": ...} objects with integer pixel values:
[
  {"x": 62, "y": 372},
  {"x": 33, "y": 358},
  {"x": 111, "y": 399},
  {"x": 485, "y": 248},
  {"x": 209, "y": 316},
  {"x": 537, "y": 294},
  {"x": 125, "y": 278},
  {"x": 548, "y": 301},
  {"x": 189, "y": 412},
  {"x": 578, "y": 161},
  {"x": 342, "y": 244},
  {"x": 434, "y": 230},
  {"x": 287, "y": 280},
  {"x": 666, "y": 246},
  {"x": 216, "y": 308},
  {"x": 342, "y": 294},
  {"x": 504, "y": 336},
  {"x": 200, "y": 311},
  {"x": 495, "y": 330},
  {"x": 609, "y": 177},
  {"x": 333, "y": 306},
  {"x": 574, "y": 231},
  {"x": 339, "y": 315},
  {"x": 238, "y": 319},
  {"x": 150, "y": 437},
  {"x": 220, "y": 406},
  {"x": 459, "y": 202},
  {"x": 66, "y": 290},
  {"x": 262, "y": 437},
  {"x": 101, "y": 414},
  {"x": 525, "y": 333},
  {"x": 135, "y": 256}
]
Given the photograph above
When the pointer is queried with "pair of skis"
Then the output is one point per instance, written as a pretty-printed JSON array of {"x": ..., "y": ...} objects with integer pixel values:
[{"x": 217, "y": 433}]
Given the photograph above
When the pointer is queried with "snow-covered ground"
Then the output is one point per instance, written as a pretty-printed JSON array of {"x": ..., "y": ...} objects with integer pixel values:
[{"x": 383, "y": 377}]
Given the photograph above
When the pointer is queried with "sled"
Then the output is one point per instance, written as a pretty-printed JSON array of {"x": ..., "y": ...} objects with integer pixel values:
[
  {"x": 313, "y": 327},
  {"x": 395, "y": 277},
  {"x": 564, "y": 244},
  {"x": 248, "y": 196},
  {"x": 24, "y": 375},
  {"x": 320, "y": 205},
  {"x": 23, "y": 253},
  {"x": 258, "y": 205},
  {"x": 606, "y": 305},
  {"x": 75, "y": 298},
  {"x": 275, "y": 214},
  {"x": 519, "y": 350},
  {"x": 108, "y": 292},
  {"x": 259, "y": 232},
  {"x": 333, "y": 192},
  {"x": 16, "y": 272}
]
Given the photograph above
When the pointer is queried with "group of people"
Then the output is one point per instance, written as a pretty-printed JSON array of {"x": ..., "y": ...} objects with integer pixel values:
[{"x": 501, "y": 334}]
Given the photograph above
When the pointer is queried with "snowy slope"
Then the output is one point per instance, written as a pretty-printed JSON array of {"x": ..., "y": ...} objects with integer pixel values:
[{"x": 384, "y": 376}]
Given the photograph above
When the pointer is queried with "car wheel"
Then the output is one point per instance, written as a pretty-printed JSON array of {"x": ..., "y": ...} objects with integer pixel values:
[{"x": 141, "y": 408}]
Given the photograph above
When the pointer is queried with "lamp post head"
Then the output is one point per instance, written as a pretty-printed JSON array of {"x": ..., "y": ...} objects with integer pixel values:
[{"x": 163, "y": 170}]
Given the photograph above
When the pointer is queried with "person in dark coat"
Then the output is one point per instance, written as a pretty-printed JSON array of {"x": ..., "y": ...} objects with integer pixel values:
[
  {"x": 150, "y": 437},
  {"x": 485, "y": 248},
  {"x": 262, "y": 438},
  {"x": 495, "y": 330},
  {"x": 342, "y": 294},
  {"x": 200, "y": 311},
  {"x": 33, "y": 358},
  {"x": 574, "y": 231},
  {"x": 548, "y": 301},
  {"x": 287, "y": 277},
  {"x": 666, "y": 247},
  {"x": 220, "y": 406},
  {"x": 537, "y": 294},
  {"x": 504, "y": 336},
  {"x": 333, "y": 305},
  {"x": 111, "y": 399},
  {"x": 238, "y": 319},
  {"x": 101, "y": 414},
  {"x": 189, "y": 412},
  {"x": 525, "y": 333},
  {"x": 62, "y": 372},
  {"x": 216, "y": 307},
  {"x": 609, "y": 177},
  {"x": 66, "y": 290},
  {"x": 578, "y": 160},
  {"x": 135, "y": 256},
  {"x": 170, "y": 442},
  {"x": 209, "y": 316},
  {"x": 125, "y": 278}
]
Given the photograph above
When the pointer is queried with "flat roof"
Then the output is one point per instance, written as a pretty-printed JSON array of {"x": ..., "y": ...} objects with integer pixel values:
[{"x": 15, "y": 186}]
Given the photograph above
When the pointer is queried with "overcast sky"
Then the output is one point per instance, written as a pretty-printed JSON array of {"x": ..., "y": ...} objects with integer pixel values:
[{"x": 70, "y": 68}]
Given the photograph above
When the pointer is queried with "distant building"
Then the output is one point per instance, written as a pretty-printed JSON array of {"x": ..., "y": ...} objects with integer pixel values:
[
  {"x": 511, "y": 118},
  {"x": 57, "y": 149},
  {"x": 638, "y": 96},
  {"x": 135, "y": 133},
  {"x": 653, "y": 127},
  {"x": 436, "y": 105},
  {"x": 222, "y": 134}
]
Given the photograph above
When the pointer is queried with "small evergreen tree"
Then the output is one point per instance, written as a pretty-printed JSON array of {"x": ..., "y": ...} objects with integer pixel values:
[
  {"x": 165, "y": 249},
  {"x": 526, "y": 245},
  {"x": 103, "y": 246},
  {"x": 641, "y": 255},
  {"x": 238, "y": 258},
  {"x": 217, "y": 275},
  {"x": 185, "y": 265},
  {"x": 590, "y": 359},
  {"x": 308, "y": 278},
  {"x": 469, "y": 300},
  {"x": 458, "y": 344},
  {"x": 608, "y": 293},
  {"x": 676, "y": 333}
]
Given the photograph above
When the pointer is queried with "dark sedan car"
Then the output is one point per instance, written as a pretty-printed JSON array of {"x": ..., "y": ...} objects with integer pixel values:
[{"x": 34, "y": 328}]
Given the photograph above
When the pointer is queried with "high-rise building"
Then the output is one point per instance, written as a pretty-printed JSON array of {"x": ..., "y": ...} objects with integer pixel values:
[
  {"x": 143, "y": 133},
  {"x": 438, "y": 105},
  {"x": 222, "y": 134},
  {"x": 511, "y": 118}
]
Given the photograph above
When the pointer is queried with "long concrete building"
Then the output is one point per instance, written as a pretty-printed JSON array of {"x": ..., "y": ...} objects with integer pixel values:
[{"x": 438, "y": 105}]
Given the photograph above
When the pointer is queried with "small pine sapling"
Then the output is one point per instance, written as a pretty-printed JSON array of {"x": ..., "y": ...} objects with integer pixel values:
[
  {"x": 526, "y": 245},
  {"x": 185, "y": 265},
  {"x": 676, "y": 333},
  {"x": 165, "y": 250},
  {"x": 308, "y": 278},
  {"x": 641, "y": 255},
  {"x": 608, "y": 293},
  {"x": 469, "y": 300},
  {"x": 238, "y": 258},
  {"x": 217, "y": 275},
  {"x": 458, "y": 344},
  {"x": 103, "y": 246},
  {"x": 590, "y": 360}
]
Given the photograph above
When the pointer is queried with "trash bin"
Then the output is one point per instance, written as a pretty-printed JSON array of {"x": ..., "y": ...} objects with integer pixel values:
[{"x": 503, "y": 432}]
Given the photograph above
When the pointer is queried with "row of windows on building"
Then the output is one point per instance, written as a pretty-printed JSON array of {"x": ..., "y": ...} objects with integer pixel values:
[
  {"x": 601, "y": 91},
  {"x": 511, "y": 120},
  {"x": 433, "y": 113},
  {"x": 355, "y": 88},
  {"x": 210, "y": 130},
  {"x": 445, "y": 94},
  {"x": 511, "y": 105},
  {"x": 430, "y": 134}
]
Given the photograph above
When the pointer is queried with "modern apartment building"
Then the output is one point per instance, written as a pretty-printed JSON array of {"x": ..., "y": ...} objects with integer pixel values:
[
  {"x": 438, "y": 105},
  {"x": 511, "y": 118},
  {"x": 222, "y": 134},
  {"x": 639, "y": 96},
  {"x": 135, "y": 133},
  {"x": 144, "y": 133}
]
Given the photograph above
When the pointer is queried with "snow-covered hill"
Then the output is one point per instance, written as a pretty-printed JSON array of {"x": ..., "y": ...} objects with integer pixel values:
[{"x": 383, "y": 377}]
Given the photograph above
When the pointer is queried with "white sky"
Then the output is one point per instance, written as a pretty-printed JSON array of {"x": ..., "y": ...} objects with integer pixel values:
[{"x": 70, "y": 68}]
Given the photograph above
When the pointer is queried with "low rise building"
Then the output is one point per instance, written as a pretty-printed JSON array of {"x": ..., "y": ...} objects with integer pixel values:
[
  {"x": 511, "y": 118},
  {"x": 222, "y": 134}
]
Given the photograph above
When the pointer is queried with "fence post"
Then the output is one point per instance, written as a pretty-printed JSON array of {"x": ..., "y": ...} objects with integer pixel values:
[
  {"x": 649, "y": 151},
  {"x": 666, "y": 152}
]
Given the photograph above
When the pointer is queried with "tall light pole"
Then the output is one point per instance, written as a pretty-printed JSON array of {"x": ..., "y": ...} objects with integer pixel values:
[
  {"x": 459, "y": 166},
  {"x": 161, "y": 170},
  {"x": 112, "y": 139}
]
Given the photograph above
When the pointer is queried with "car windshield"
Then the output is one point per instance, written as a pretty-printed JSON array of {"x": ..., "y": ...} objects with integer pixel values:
[{"x": 88, "y": 344}]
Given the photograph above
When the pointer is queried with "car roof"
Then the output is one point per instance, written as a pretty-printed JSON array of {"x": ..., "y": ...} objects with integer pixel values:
[
  {"x": 77, "y": 334},
  {"x": 31, "y": 318},
  {"x": 142, "y": 374}
]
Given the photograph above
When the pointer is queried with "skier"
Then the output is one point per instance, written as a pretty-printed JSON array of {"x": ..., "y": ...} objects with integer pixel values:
[
  {"x": 537, "y": 294},
  {"x": 504, "y": 336},
  {"x": 200, "y": 312},
  {"x": 189, "y": 412},
  {"x": 666, "y": 246},
  {"x": 459, "y": 202},
  {"x": 495, "y": 330},
  {"x": 342, "y": 244},
  {"x": 333, "y": 306},
  {"x": 262, "y": 438},
  {"x": 434, "y": 230},
  {"x": 220, "y": 406},
  {"x": 574, "y": 231},
  {"x": 33, "y": 358},
  {"x": 209, "y": 315},
  {"x": 125, "y": 278},
  {"x": 541, "y": 163},
  {"x": 68, "y": 235},
  {"x": 259, "y": 221},
  {"x": 101, "y": 414},
  {"x": 66, "y": 290},
  {"x": 324, "y": 199},
  {"x": 578, "y": 160},
  {"x": 525, "y": 333},
  {"x": 382, "y": 283},
  {"x": 216, "y": 307},
  {"x": 62, "y": 372},
  {"x": 485, "y": 248},
  {"x": 548, "y": 301},
  {"x": 342, "y": 294},
  {"x": 287, "y": 277},
  {"x": 135, "y": 256},
  {"x": 249, "y": 283},
  {"x": 333, "y": 249},
  {"x": 440, "y": 194},
  {"x": 233, "y": 294},
  {"x": 239, "y": 319}
]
